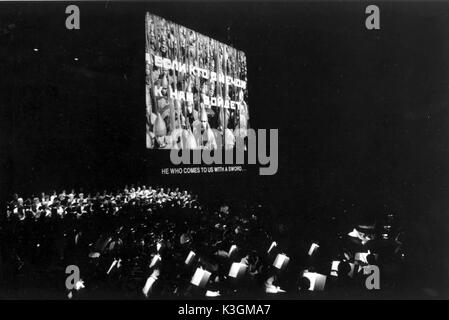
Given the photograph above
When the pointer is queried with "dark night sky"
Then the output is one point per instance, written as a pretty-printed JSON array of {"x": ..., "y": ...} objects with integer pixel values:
[{"x": 362, "y": 115}]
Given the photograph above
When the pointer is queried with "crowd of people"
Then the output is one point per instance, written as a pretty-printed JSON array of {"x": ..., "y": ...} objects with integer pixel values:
[
  {"x": 144, "y": 242},
  {"x": 196, "y": 93}
]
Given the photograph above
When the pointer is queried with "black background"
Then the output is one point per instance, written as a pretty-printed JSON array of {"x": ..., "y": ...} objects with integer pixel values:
[{"x": 362, "y": 115}]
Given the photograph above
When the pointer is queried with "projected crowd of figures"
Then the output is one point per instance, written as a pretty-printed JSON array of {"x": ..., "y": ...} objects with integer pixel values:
[{"x": 196, "y": 89}]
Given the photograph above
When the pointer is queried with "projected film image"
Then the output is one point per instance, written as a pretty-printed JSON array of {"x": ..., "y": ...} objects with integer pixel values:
[{"x": 196, "y": 89}]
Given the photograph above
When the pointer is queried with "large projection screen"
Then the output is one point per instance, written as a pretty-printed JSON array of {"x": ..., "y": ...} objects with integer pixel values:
[{"x": 196, "y": 89}]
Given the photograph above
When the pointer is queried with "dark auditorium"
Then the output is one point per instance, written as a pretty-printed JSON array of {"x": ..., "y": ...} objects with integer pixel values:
[{"x": 316, "y": 135}]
